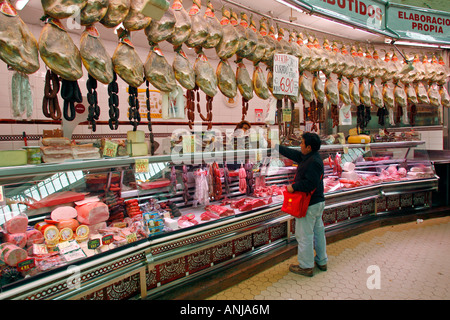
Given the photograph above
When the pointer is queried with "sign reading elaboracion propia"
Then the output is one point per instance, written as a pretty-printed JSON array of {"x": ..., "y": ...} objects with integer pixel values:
[
  {"x": 392, "y": 19},
  {"x": 419, "y": 24}
]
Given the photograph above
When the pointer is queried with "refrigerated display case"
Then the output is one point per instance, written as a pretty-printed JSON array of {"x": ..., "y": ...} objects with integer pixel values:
[{"x": 119, "y": 228}]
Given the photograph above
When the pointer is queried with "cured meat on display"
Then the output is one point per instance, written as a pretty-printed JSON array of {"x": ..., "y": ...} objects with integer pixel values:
[
  {"x": 59, "y": 52},
  {"x": 158, "y": 71},
  {"x": 126, "y": 62},
  {"x": 199, "y": 29},
  {"x": 116, "y": 13},
  {"x": 18, "y": 46},
  {"x": 95, "y": 58},
  {"x": 182, "y": 28},
  {"x": 93, "y": 12},
  {"x": 50, "y": 103},
  {"x": 63, "y": 9},
  {"x": 135, "y": 20},
  {"x": 215, "y": 32},
  {"x": 163, "y": 29}
]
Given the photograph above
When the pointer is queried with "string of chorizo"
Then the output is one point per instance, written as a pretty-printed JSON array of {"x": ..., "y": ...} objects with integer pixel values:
[
  {"x": 70, "y": 92},
  {"x": 94, "y": 109},
  {"x": 190, "y": 106},
  {"x": 50, "y": 103},
  {"x": 149, "y": 118},
  {"x": 133, "y": 111},
  {"x": 113, "y": 102},
  {"x": 217, "y": 184},
  {"x": 244, "y": 108}
]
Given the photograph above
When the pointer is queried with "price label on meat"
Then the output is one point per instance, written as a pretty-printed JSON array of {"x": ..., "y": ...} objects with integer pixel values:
[
  {"x": 285, "y": 74},
  {"x": 110, "y": 149},
  {"x": 141, "y": 165}
]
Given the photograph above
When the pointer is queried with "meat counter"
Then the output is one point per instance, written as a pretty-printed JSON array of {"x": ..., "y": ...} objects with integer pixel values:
[{"x": 118, "y": 228}]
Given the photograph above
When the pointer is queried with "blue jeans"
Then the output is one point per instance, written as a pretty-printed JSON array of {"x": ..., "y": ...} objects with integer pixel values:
[{"x": 310, "y": 235}]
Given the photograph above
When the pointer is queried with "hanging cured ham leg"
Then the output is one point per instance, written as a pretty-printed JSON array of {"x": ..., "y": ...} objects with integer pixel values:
[
  {"x": 116, "y": 13},
  {"x": 59, "y": 52},
  {"x": 95, "y": 58},
  {"x": 126, "y": 61},
  {"x": 93, "y": 12},
  {"x": 63, "y": 9},
  {"x": 18, "y": 46}
]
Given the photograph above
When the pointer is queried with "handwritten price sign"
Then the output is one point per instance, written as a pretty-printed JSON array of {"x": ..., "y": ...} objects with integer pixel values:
[{"x": 285, "y": 74}]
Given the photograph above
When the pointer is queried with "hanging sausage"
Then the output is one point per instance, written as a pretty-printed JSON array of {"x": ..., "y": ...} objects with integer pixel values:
[
  {"x": 93, "y": 109},
  {"x": 149, "y": 118},
  {"x": 50, "y": 103},
  {"x": 133, "y": 110},
  {"x": 113, "y": 102},
  {"x": 70, "y": 92}
]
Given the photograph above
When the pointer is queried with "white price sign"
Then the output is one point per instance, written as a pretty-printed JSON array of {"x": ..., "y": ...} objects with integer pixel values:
[{"x": 285, "y": 74}]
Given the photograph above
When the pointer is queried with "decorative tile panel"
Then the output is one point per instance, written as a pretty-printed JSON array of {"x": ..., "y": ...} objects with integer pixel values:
[
  {"x": 329, "y": 216},
  {"x": 392, "y": 202},
  {"x": 278, "y": 231},
  {"x": 419, "y": 198},
  {"x": 260, "y": 238},
  {"x": 381, "y": 204},
  {"x": 171, "y": 270},
  {"x": 222, "y": 252},
  {"x": 406, "y": 200},
  {"x": 242, "y": 245},
  {"x": 342, "y": 213},
  {"x": 198, "y": 260},
  {"x": 124, "y": 289},
  {"x": 354, "y": 210},
  {"x": 368, "y": 207}
]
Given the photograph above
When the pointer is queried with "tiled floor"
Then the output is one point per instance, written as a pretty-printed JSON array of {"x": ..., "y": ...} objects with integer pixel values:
[{"x": 407, "y": 261}]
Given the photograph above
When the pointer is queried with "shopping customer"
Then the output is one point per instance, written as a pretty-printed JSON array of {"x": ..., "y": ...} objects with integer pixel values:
[{"x": 309, "y": 230}]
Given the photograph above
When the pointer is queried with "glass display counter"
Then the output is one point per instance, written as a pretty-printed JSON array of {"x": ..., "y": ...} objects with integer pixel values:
[{"x": 116, "y": 228}]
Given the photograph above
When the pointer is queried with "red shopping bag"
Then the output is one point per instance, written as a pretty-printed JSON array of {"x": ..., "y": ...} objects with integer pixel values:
[{"x": 296, "y": 203}]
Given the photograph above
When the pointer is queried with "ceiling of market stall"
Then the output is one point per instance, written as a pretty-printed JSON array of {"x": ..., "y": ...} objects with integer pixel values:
[{"x": 274, "y": 9}]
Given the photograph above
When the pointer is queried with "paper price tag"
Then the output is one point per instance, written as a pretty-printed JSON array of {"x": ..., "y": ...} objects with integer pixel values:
[
  {"x": 141, "y": 165},
  {"x": 131, "y": 237},
  {"x": 287, "y": 115},
  {"x": 107, "y": 239},
  {"x": 26, "y": 264},
  {"x": 188, "y": 143},
  {"x": 110, "y": 149},
  {"x": 285, "y": 74}
]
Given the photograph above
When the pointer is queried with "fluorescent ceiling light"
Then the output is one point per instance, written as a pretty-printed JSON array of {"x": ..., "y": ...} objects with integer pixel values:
[
  {"x": 20, "y": 4},
  {"x": 289, "y": 5},
  {"x": 415, "y": 44}
]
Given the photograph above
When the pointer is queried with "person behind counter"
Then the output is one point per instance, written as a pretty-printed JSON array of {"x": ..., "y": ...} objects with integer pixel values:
[
  {"x": 243, "y": 125},
  {"x": 309, "y": 230}
]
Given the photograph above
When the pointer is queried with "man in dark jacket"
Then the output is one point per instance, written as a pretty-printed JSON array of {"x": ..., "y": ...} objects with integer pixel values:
[{"x": 309, "y": 230}]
